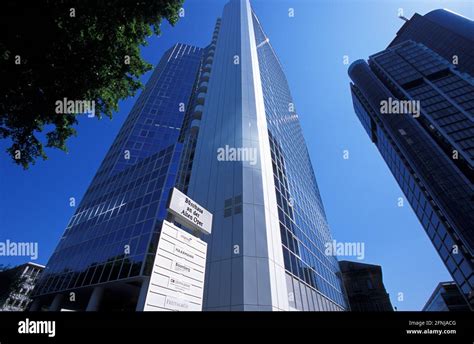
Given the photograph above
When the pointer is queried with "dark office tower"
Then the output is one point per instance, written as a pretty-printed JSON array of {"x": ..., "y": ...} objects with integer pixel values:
[
  {"x": 446, "y": 33},
  {"x": 418, "y": 109},
  {"x": 364, "y": 286},
  {"x": 446, "y": 297},
  {"x": 114, "y": 231},
  {"x": 266, "y": 251}
]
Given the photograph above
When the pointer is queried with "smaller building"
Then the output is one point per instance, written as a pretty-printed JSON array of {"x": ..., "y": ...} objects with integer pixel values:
[
  {"x": 364, "y": 286},
  {"x": 446, "y": 297},
  {"x": 16, "y": 285}
]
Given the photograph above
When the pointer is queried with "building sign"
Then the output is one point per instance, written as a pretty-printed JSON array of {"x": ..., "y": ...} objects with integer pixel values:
[
  {"x": 189, "y": 213},
  {"x": 177, "y": 279}
]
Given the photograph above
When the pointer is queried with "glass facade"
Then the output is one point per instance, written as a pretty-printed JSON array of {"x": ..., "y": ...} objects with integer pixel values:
[
  {"x": 312, "y": 275},
  {"x": 446, "y": 298},
  {"x": 269, "y": 229},
  {"x": 269, "y": 226},
  {"x": 446, "y": 33},
  {"x": 115, "y": 228},
  {"x": 430, "y": 153}
]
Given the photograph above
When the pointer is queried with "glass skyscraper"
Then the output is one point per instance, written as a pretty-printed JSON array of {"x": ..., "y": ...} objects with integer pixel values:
[
  {"x": 446, "y": 33},
  {"x": 430, "y": 151},
  {"x": 267, "y": 247},
  {"x": 446, "y": 298},
  {"x": 109, "y": 242},
  {"x": 266, "y": 250}
]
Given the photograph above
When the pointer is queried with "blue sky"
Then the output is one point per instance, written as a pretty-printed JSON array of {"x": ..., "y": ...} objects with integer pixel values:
[{"x": 360, "y": 194}]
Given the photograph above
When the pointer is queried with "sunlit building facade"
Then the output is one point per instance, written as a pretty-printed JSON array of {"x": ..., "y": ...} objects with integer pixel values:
[
  {"x": 267, "y": 247},
  {"x": 266, "y": 250}
]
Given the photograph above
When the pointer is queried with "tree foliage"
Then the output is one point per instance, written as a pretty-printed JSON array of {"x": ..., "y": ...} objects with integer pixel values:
[{"x": 76, "y": 50}]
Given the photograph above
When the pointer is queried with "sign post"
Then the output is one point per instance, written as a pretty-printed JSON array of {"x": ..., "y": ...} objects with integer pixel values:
[
  {"x": 189, "y": 213},
  {"x": 177, "y": 279}
]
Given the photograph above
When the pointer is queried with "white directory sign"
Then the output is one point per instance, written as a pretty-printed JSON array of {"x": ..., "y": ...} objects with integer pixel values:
[
  {"x": 177, "y": 279},
  {"x": 189, "y": 213}
]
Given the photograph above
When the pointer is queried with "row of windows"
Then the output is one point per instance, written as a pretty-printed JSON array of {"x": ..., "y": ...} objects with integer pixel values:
[
  {"x": 183, "y": 58},
  {"x": 297, "y": 257},
  {"x": 437, "y": 232},
  {"x": 115, "y": 219},
  {"x": 128, "y": 179},
  {"x": 303, "y": 225},
  {"x": 110, "y": 271},
  {"x": 302, "y": 297},
  {"x": 112, "y": 235}
]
